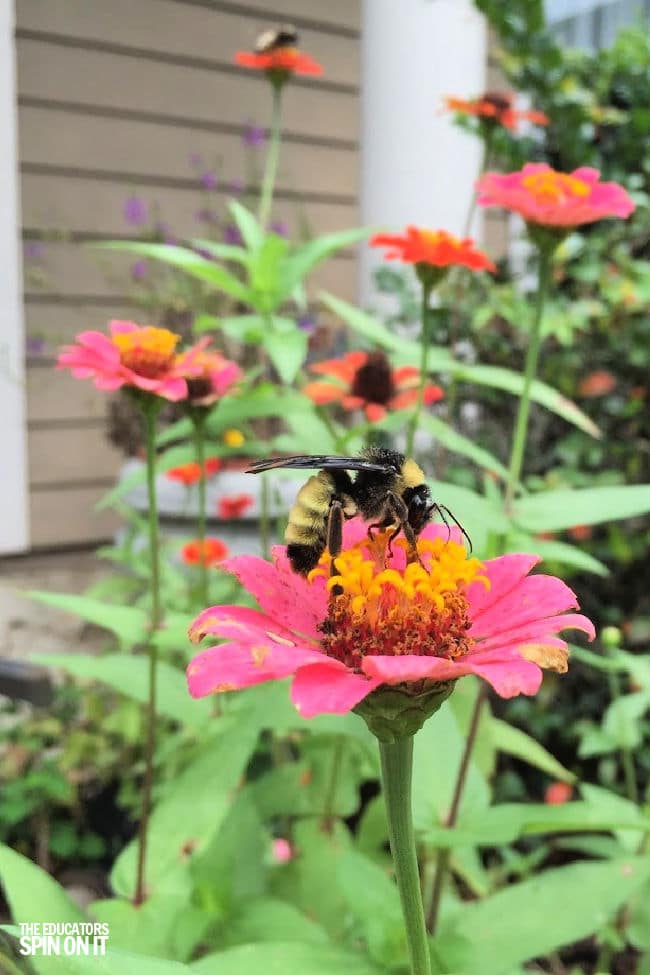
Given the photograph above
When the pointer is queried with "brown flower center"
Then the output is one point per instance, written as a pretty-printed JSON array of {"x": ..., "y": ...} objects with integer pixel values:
[{"x": 373, "y": 381}]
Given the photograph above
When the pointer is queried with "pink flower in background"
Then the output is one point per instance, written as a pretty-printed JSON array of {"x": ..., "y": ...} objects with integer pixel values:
[
  {"x": 209, "y": 375},
  {"x": 141, "y": 356},
  {"x": 543, "y": 196},
  {"x": 381, "y": 620},
  {"x": 281, "y": 851}
]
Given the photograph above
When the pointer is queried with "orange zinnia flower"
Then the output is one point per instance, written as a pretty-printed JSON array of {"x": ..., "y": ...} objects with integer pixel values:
[
  {"x": 211, "y": 551},
  {"x": 276, "y": 51},
  {"x": 433, "y": 247},
  {"x": 365, "y": 381},
  {"x": 189, "y": 474},
  {"x": 597, "y": 383},
  {"x": 497, "y": 107},
  {"x": 557, "y": 793},
  {"x": 234, "y": 505}
]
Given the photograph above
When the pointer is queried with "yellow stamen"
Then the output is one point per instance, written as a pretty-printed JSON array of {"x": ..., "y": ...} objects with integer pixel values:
[
  {"x": 233, "y": 438},
  {"x": 149, "y": 351},
  {"x": 551, "y": 187}
]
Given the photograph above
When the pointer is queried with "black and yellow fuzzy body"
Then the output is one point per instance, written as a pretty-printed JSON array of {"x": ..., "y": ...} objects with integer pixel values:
[
  {"x": 307, "y": 529},
  {"x": 388, "y": 491}
]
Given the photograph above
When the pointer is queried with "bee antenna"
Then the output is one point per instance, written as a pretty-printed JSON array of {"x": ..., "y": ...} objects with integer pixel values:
[{"x": 443, "y": 510}]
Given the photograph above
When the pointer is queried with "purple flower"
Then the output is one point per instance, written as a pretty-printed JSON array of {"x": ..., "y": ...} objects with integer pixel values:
[
  {"x": 236, "y": 187},
  {"x": 209, "y": 180},
  {"x": 163, "y": 230},
  {"x": 253, "y": 136},
  {"x": 135, "y": 211},
  {"x": 33, "y": 250},
  {"x": 202, "y": 252},
  {"x": 307, "y": 323},
  {"x": 195, "y": 160},
  {"x": 231, "y": 234},
  {"x": 34, "y": 346},
  {"x": 204, "y": 215},
  {"x": 139, "y": 270},
  {"x": 280, "y": 228}
]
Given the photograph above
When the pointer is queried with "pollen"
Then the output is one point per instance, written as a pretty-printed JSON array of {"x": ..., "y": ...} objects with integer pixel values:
[
  {"x": 384, "y": 605},
  {"x": 549, "y": 187},
  {"x": 149, "y": 351}
]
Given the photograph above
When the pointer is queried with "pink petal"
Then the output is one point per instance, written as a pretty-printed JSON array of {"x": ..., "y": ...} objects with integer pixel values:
[
  {"x": 231, "y": 666},
  {"x": 539, "y": 631},
  {"x": 506, "y": 670},
  {"x": 235, "y": 622},
  {"x": 120, "y": 326},
  {"x": 328, "y": 687},
  {"x": 282, "y": 593},
  {"x": 504, "y": 574},
  {"x": 531, "y": 599}
]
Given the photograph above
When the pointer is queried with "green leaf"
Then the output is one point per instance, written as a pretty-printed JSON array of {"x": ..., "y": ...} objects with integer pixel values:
[
  {"x": 456, "y": 443},
  {"x": 113, "y": 963},
  {"x": 130, "y": 676},
  {"x": 506, "y": 738},
  {"x": 363, "y": 324},
  {"x": 128, "y": 623},
  {"x": 192, "y": 811},
  {"x": 526, "y": 920},
  {"x": 373, "y": 898},
  {"x": 305, "y": 259},
  {"x": 284, "y": 958},
  {"x": 268, "y": 919},
  {"x": 553, "y": 551},
  {"x": 32, "y": 894},
  {"x": 556, "y": 510},
  {"x": 265, "y": 273},
  {"x": 224, "y": 252},
  {"x": 545, "y": 395},
  {"x": 287, "y": 351},
  {"x": 186, "y": 260},
  {"x": 251, "y": 232},
  {"x": 622, "y": 719}
]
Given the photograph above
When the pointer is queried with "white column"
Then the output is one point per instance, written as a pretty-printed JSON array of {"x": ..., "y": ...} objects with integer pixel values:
[
  {"x": 14, "y": 531},
  {"x": 416, "y": 166}
]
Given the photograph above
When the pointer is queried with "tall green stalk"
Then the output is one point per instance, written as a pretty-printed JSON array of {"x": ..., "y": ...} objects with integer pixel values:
[
  {"x": 530, "y": 371},
  {"x": 514, "y": 472},
  {"x": 272, "y": 158},
  {"x": 425, "y": 343},
  {"x": 396, "y": 774},
  {"x": 150, "y": 406},
  {"x": 198, "y": 416}
]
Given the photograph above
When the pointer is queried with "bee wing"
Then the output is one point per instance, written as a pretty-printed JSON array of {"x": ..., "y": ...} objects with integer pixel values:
[{"x": 322, "y": 461}]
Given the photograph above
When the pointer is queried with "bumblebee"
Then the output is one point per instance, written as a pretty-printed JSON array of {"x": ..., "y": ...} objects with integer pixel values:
[
  {"x": 388, "y": 491},
  {"x": 270, "y": 40}
]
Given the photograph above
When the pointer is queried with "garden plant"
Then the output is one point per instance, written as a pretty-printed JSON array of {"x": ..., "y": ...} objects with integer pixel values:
[{"x": 385, "y": 747}]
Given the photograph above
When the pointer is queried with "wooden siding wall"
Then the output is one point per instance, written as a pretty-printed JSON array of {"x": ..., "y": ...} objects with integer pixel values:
[{"x": 114, "y": 95}]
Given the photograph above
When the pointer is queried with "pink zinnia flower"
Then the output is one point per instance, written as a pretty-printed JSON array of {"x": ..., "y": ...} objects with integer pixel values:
[
  {"x": 281, "y": 850},
  {"x": 543, "y": 196},
  {"x": 380, "y": 620},
  {"x": 141, "y": 356},
  {"x": 209, "y": 375}
]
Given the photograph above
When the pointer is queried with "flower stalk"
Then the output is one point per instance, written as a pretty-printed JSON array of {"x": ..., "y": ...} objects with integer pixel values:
[
  {"x": 272, "y": 158},
  {"x": 150, "y": 405},
  {"x": 198, "y": 417},
  {"x": 530, "y": 371},
  {"x": 396, "y": 774},
  {"x": 425, "y": 342}
]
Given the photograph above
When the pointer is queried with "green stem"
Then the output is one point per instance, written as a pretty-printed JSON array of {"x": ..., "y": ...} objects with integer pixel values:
[
  {"x": 272, "y": 158},
  {"x": 265, "y": 517},
  {"x": 150, "y": 407},
  {"x": 530, "y": 370},
  {"x": 198, "y": 422},
  {"x": 444, "y": 854},
  {"x": 425, "y": 342},
  {"x": 396, "y": 773},
  {"x": 330, "y": 796},
  {"x": 627, "y": 759}
]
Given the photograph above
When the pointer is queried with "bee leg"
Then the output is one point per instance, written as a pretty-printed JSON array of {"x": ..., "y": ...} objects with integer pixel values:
[
  {"x": 335, "y": 539},
  {"x": 443, "y": 510}
]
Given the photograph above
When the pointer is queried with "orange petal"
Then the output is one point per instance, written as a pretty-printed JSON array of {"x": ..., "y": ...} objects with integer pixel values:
[
  {"x": 321, "y": 393},
  {"x": 549, "y": 657},
  {"x": 375, "y": 412}
]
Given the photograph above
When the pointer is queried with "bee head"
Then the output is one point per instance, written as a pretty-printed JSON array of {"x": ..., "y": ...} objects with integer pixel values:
[{"x": 420, "y": 506}]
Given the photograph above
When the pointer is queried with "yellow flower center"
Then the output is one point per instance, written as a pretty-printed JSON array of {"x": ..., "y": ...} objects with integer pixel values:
[
  {"x": 233, "y": 438},
  {"x": 149, "y": 351},
  {"x": 436, "y": 237},
  {"x": 420, "y": 609},
  {"x": 549, "y": 187}
]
